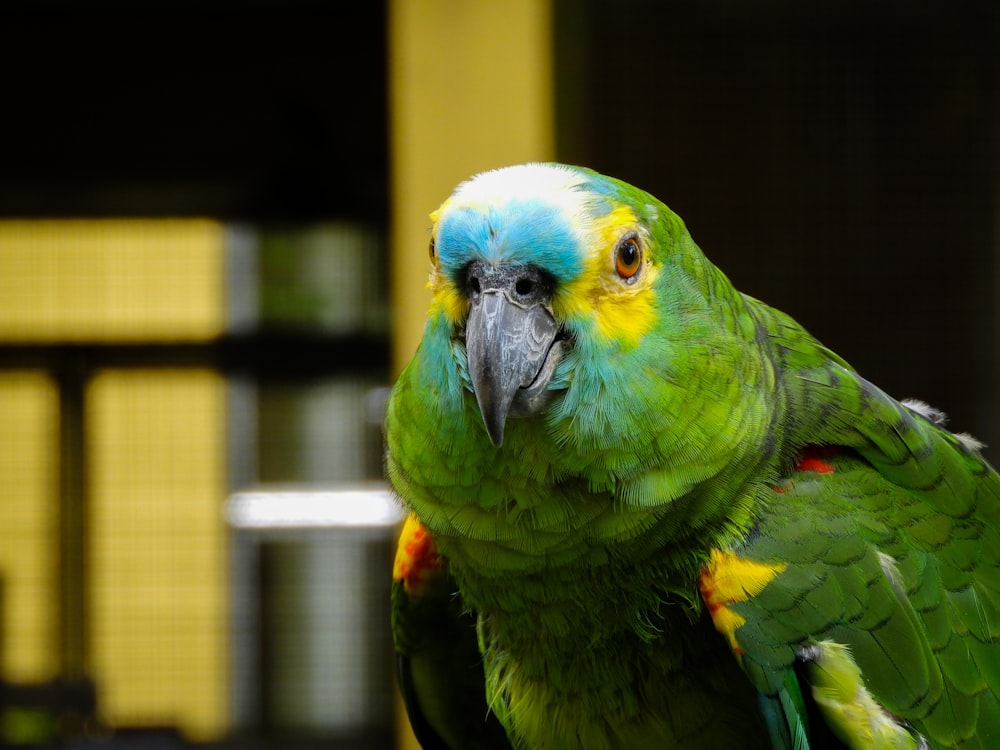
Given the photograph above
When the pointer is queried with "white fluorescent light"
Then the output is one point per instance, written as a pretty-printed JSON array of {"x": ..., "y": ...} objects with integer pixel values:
[{"x": 358, "y": 506}]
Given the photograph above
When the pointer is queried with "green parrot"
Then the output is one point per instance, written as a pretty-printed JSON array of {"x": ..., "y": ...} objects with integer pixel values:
[{"x": 649, "y": 511}]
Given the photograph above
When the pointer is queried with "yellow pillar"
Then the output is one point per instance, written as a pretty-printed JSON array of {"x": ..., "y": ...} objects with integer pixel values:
[
  {"x": 470, "y": 89},
  {"x": 470, "y": 86}
]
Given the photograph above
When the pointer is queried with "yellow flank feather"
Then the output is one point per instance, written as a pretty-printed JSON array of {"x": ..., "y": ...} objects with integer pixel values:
[
  {"x": 416, "y": 557},
  {"x": 729, "y": 578}
]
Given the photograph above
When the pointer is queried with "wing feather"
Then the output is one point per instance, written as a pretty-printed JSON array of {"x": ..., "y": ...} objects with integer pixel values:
[{"x": 898, "y": 573}]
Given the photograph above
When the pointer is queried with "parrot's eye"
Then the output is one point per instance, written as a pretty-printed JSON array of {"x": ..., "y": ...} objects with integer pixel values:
[
  {"x": 432, "y": 250},
  {"x": 628, "y": 257}
]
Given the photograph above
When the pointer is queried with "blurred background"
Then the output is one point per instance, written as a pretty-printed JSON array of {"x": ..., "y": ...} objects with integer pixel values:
[{"x": 213, "y": 227}]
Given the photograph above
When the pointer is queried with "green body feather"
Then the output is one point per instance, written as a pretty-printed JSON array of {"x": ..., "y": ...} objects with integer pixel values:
[{"x": 581, "y": 540}]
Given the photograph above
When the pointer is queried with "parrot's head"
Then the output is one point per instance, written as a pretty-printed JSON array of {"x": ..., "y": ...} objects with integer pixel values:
[{"x": 540, "y": 274}]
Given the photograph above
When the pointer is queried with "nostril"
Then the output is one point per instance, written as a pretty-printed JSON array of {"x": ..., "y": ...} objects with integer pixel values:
[{"x": 527, "y": 285}]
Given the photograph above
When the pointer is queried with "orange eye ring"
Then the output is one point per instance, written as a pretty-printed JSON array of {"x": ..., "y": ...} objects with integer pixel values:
[{"x": 628, "y": 258}]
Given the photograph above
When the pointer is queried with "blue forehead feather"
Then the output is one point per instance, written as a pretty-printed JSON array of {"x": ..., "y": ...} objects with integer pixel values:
[{"x": 521, "y": 231}]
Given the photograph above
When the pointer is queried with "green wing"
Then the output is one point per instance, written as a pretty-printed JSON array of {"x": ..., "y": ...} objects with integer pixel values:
[
  {"x": 884, "y": 599},
  {"x": 439, "y": 666}
]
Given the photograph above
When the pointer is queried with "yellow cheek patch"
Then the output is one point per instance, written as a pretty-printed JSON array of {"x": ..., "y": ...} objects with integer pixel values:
[
  {"x": 626, "y": 315},
  {"x": 728, "y": 579},
  {"x": 621, "y": 310},
  {"x": 445, "y": 298}
]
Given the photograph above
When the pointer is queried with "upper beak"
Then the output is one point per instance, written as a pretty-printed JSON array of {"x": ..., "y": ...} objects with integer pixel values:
[{"x": 509, "y": 336}]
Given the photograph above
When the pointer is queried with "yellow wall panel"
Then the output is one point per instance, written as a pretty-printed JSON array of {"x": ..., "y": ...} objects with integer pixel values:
[
  {"x": 111, "y": 279},
  {"x": 158, "y": 601},
  {"x": 29, "y": 438}
]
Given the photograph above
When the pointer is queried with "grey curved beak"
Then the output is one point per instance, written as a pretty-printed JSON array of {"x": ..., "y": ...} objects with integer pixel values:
[{"x": 508, "y": 344}]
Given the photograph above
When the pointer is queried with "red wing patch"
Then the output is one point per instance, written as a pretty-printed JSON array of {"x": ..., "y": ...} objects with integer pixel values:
[{"x": 813, "y": 459}]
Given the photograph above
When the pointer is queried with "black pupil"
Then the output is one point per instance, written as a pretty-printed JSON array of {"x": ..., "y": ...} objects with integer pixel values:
[{"x": 629, "y": 254}]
